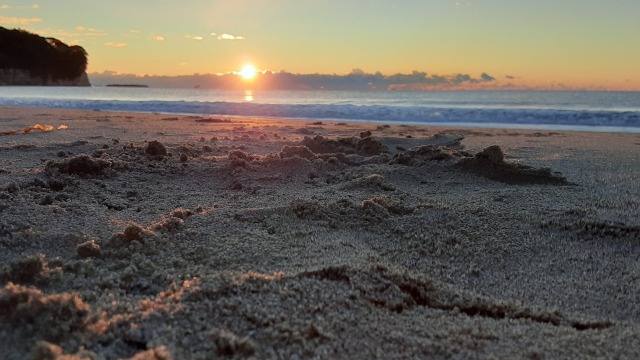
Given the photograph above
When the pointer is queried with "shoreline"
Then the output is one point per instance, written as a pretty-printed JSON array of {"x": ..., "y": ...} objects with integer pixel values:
[
  {"x": 439, "y": 110},
  {"x": 194, "y": 236},
  {"x": 443, "y": 125}
]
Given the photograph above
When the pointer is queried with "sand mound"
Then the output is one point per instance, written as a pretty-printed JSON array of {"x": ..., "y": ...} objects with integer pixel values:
[
  {"x": 238, "y": 158},
  {"x": 419, "y": 155},
  {"x": 173, "y": 221},
  {"x": 370, "y": 147},
  {"x": 490, "y": 163},
  {"x": 33, "y": 314},
  {"x": 155, "y": 148},
  {"x": 88, "y": 249},
  {"x": 390, "y": 206},
  {"x": 31, "y": 270},
  {"x": 133, "y": 232},
  {"x": 47, "y": 351},
  {"x": 344, "y": 213},
  {"x": 85, "y": 165},
  {"x": 362, "y": 146},
  {"x": 229, "y": 344},
  {"x": 299, "y": 151}
]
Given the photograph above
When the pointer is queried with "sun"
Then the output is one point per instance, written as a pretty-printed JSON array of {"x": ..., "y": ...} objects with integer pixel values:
[{"x": 248, "y": 72}]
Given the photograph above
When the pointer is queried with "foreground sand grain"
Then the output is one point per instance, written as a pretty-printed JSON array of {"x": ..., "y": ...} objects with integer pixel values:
[{"x": 190, "y": 237}]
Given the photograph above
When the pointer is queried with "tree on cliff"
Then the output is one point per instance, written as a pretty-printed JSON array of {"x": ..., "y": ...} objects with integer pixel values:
[{"x": 47, "y": 58}]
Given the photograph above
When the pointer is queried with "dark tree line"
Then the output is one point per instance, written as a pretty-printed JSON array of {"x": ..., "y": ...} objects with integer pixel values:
[{"x": 47, "y": 58}]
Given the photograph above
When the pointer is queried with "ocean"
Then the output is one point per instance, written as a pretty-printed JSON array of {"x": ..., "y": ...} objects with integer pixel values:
[{"x": 559, "y": 110}]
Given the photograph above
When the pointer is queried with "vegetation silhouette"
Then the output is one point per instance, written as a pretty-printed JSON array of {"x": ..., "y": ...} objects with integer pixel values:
[{"x": 47, "y": 58}]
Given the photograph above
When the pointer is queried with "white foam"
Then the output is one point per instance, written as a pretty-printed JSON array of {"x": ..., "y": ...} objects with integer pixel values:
[{"x": 400, "y": 110}]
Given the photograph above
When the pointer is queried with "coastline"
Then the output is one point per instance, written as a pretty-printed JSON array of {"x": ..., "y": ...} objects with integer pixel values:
[
  {"x": 245, "y": 239},
  {"x": 598, "y": 112}
]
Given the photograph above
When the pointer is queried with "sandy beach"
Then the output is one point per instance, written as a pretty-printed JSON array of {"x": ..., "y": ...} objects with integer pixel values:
[{"x": 155, "y": 236}]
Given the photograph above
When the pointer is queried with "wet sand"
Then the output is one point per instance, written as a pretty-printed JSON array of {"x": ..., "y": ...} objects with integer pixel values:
[{"x": 154, "y": 236}]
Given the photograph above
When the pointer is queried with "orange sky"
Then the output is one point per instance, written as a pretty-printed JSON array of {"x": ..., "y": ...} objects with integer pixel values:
[{"x": 547, "y": 44}]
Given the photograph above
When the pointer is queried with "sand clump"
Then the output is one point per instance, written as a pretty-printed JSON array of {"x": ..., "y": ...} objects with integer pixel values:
[
  {"x": 47, "y": 351},
  {"x": 85, "y": 165},
  {"x": 88, "y": 249},
  {"x": 420, "y": 155},
  {"x": 299, "y": 151},
  {"x": 134, "y": 232},
  {"x": 158, "y": 353},
  {"x": 390, "y": 206},
  {"x": 231, "y": 345},
  {"x": 48, "y": 317},
  {"x": 490, "y": 163},
  {"x": 345, "y": 213},
  {"x": 156, "y": 149},
  {"x": 372, "y": 181},
  {"x": 366, "y": 146},
  {"x": 32, "y": 270},
  {"x": 174, "y": 221},
  {"x": 240, "y": 159},
  {"x": 370, "y": 147}
]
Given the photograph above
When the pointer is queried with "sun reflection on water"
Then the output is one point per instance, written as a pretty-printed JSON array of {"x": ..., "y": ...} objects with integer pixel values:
[{"x": 248, "y": 96}]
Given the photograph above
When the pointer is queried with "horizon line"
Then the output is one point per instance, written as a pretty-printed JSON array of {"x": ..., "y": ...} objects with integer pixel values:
[{"x": 424, "y": 81}]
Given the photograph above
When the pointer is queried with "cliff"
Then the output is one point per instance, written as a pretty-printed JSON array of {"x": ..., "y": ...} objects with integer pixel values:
[
  {"x": 17, "y": 77},
  {"x": 30, "y": 59}
]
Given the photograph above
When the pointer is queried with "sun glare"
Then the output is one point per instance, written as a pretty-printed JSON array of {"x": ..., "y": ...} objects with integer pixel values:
[{"x": 248, "y": 72}]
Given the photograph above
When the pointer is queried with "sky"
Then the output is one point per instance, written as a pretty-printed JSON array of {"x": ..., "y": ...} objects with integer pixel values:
[{"x": 544, "y": 43}]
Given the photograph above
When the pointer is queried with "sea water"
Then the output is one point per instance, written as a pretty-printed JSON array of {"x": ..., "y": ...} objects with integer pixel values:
[{"x": 562, "y": 110}]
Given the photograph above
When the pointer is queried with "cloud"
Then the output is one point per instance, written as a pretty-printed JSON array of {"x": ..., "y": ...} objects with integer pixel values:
[
  {"x": 18, "y": 21},
  {"x": 487, "y": 77},
  {"x": 356, "y": 80},
  {"x": 194, "y": 37},
  {"x": 461, "y": 78},
  {"x": 213, "y": 34},
  {"x": 226, "y": 36},
  {"x": 116, "y": 44},
  {"x": 34, "y": 6},
  {"x": 158, "y": 38},
  {"x": 79, "y": 32},
  {"x": 463, "y": 3}
]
